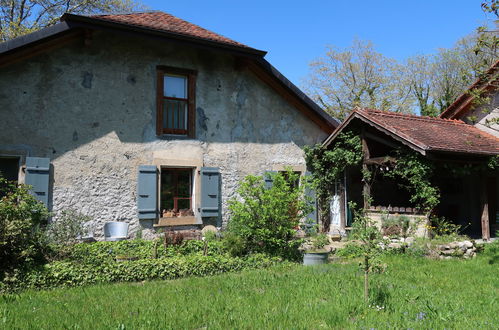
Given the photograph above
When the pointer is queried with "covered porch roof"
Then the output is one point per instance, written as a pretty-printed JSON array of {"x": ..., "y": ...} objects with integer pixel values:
[{"x": 425, "y": 134}]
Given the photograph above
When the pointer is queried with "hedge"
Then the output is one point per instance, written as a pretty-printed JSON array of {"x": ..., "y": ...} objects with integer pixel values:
[
  {"x": 99, "y": 252},
  {"x": 73, "y": 273}
]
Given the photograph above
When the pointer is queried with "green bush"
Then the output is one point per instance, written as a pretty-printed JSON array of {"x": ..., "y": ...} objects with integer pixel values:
[
  {"x": 21, "y": 217},
  {"x": 266, "y": 218},
  {"x": 74, "y": 273},
  {"x": 99, "y": 252},
  {"x": 67, "y": 228},
  {"x": 395, "y": 225}
]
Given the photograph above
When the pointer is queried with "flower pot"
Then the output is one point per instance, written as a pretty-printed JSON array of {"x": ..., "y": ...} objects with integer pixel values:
[{"x": 315, "y": 258}]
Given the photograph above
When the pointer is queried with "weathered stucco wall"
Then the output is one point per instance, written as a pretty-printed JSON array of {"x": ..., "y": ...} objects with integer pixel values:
[
  {"x": 91, "y": 109},
  {"x": 485, "y": 117}
]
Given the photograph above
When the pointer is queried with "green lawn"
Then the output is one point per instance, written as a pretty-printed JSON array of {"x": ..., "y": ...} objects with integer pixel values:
[{"x": 412, "y": 293}]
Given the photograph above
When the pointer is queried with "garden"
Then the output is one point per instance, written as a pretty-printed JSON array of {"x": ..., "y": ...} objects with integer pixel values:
[{"x": 249, "y": 275}]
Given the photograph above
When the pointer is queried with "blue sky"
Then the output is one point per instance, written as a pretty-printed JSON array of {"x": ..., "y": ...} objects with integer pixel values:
[{"x": 296, "y": 32}]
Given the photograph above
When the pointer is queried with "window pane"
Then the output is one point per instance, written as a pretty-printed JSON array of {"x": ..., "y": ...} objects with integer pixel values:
[
  {"x": 175, "y": 86},
  {"x": 174, "y": 114},
  {"x": 176, "y": 184}
]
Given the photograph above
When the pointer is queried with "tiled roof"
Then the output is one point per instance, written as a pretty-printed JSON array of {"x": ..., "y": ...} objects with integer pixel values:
[
  {"x": 429, "y": 133},
  {"x": 163, "y": 22},
  {"x": 488, "y": 82}
]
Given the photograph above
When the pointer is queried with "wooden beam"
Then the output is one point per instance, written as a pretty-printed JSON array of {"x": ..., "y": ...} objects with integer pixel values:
[
  {"x": 366, "y": 190},
  {"x": 342, "y": 192},
  {"x": 381, "y": 140},
  {"x": 484, "y": 203},
  {"x": 380, "y": 160}
]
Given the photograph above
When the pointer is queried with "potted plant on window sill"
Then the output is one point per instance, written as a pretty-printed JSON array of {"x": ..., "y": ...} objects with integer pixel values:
[{"x": 317, "y": 253}]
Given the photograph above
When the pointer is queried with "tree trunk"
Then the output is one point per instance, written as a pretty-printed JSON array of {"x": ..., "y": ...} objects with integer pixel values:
[{"x": 366, "y": 279}]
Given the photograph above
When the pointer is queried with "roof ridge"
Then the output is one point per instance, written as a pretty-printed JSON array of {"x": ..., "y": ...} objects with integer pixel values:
[
  {"x": 413, "y": 116},
  {"x": 214, "y": 34},
  {"x": 123, "y": 13}
]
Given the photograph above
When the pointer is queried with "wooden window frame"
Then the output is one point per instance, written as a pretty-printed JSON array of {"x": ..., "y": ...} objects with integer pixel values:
[
  {"x": 161, "y": 71},
  {"x": 177, "y": 169}
]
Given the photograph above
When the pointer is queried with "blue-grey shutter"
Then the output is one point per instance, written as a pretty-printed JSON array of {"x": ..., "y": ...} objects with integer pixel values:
[
  {"x": 38, "y": 177},
  {"x": 309, "y": 192},
  {"x": 210, "y": 192},
  {"x": 147, "y": 192},
  {"x": 268, "y": 178}
]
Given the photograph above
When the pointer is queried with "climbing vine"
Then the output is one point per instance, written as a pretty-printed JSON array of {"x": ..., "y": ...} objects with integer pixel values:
[
  {"x": 414, "y": 172},
  {"x": 327, "y": 165}
]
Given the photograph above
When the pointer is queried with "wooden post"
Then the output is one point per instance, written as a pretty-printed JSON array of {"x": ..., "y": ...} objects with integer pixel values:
[
  {"x": 484, "y": 203},
  {"x": 366, "y": 191},
  {"x": 342, "y": 192}
]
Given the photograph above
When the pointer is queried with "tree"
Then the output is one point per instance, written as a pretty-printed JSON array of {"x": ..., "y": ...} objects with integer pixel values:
[
  {"x": 264, "y": 217},
  {"x": 357, "y": 77},
  {"x": 18, "y": 17}
]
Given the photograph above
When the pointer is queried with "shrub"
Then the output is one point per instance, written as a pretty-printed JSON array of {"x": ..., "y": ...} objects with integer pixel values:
[
  {"x": 21, "y": 217},
  {"x": 67, "y": 228},
  {"x": 101, "y": 252},
  {"x": 439, "y": 226},
  {"x": 265, "y": 219},
  {"x": 398, "y": 225},
  {"x": 71, "y": 273}
]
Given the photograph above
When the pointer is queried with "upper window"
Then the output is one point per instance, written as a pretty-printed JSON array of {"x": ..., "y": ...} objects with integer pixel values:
[{"x": 176, "y": 101}]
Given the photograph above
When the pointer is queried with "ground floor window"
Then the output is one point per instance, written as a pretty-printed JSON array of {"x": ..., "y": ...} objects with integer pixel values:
[
  {"x": 176, "y": 192},
  {"x": 296, "y": 182},
  {"x": 9, "y": 168}
]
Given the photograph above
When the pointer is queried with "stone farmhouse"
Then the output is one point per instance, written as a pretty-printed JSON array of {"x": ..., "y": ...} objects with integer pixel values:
[{"x": 146, "y": 118}]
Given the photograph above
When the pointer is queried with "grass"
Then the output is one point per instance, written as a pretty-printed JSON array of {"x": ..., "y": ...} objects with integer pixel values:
[{"x": 412, "y": 293}]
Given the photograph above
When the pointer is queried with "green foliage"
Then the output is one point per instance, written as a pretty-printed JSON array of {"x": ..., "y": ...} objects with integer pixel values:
[
  {"x": 67, "y": 228},
  {"x": 441, "y": 227},
  {"x": 21, "y": 217},
  {"x": 416, "y": 173},
  {"x": 320, "y": 241},
  {"x": 493, "y": 163},
  {"x": 265, "y": 219},
  {"x": 491, "y": 252},
  {"x": 328, "y": 164},
  {"x": 28, "y": 16},
  {"x": 70, "y": 273},
  {"x": 102, "y": 252},
  {"x": 396, "y": 225},
  {"x": 414, "y": 293}
]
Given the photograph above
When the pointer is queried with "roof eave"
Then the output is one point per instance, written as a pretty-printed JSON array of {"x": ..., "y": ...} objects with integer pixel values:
[
  {"x": 37, "y": 36},
  {"x": 359, "y": 115},
  {"x": 90, "y": 22}
]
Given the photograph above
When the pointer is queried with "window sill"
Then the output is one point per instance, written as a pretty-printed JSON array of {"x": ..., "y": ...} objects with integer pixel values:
[
  {"x": 176, "y": 221},
  {"x": 174, "y": 137}
]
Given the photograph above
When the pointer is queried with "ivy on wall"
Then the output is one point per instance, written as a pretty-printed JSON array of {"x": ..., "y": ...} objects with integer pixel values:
[
  {"x": 327, "y": 166},
  {"x": 411, "y": 170},
  {"x": 414, "y": 172}
]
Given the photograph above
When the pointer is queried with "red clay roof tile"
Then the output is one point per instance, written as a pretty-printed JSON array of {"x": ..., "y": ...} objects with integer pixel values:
[
  {"x": 164, "y": 22},
  {"x": 434, "y": 134}
]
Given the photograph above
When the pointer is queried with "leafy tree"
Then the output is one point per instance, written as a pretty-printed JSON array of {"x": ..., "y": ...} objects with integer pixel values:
[
  {"x": 18, "y": 17},
  {"x": 357, "y": 77},
  {"x": 264, "y": 219},
  {"x": 370, "y": 245},
  {"x": 21, "y": 216}
]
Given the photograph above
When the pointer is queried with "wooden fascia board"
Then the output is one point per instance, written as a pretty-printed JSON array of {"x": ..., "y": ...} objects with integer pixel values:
[
  {"x": 288, "y": 96},
  {"x": 41, "y": 46},
  {"x": 394, "y": 135},
  {"x": 402, "y": 139}
]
